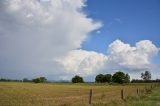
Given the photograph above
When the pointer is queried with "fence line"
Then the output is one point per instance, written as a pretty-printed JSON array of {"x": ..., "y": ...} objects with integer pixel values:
[{"x": 138, "y": 91}]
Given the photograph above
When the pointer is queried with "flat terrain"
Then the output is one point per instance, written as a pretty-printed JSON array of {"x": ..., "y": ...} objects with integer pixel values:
[
  {"x": 67, "y": 94},
  {"x": 149, "y": 99}
]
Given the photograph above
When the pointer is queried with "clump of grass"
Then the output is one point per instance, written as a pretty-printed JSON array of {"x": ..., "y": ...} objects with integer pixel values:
[
  {"x": 103, "y": 96},
  {"x": 143, "y": 96},
  {"x": 148, "y": 90},
  {"x": 130, "y": 98},
  {"x": 105, "y": 104},
  {"x": 141, "y": 103}
]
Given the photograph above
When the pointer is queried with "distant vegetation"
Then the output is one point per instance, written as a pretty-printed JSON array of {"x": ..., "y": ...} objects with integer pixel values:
[
  {"x": 145, "y": 81},
  {"x": 146, "y": 78},
  {"x": 146, "y": 75},
  {"x": 100, "y": 78},
  {"x": 117, "y": 77},
  {"x": 9, "y": 80},
  {"x": 120, "y": 77},
  {"x": 39, "y": 80},
  {"x": 77, "y": 79},
  {"x": 35, "y": 80}
]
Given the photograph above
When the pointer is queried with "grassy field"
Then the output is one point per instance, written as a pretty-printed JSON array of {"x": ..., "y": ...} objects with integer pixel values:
[{"x": 61, "y": 94}]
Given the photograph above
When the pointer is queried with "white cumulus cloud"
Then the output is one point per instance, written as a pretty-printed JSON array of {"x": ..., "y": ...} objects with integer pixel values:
[
  {"x": 120, "y": 56},
  {"x": 83, "y": 62},
  {"x": 124, "y": 55}
]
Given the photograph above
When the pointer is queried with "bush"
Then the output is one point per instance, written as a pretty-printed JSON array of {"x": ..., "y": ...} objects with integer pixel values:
[
  {"x": 107, "y": 78},
  {"x": 39, "y": 80},
  {"x": 77, "y": 79},
  {"x": 100, "y": 78},
  {"x": 118, "y": 77},
  {"x": 26, "y": 80}
]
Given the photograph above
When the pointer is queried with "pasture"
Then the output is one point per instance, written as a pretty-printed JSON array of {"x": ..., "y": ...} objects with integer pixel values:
[{"x": 68, "y": 94}]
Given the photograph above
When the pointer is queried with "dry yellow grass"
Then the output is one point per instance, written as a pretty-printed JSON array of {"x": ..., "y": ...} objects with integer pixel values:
[{"x": 56, "y": 94}]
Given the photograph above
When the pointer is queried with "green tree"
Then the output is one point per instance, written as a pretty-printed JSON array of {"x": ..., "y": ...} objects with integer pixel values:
[
  {"x": 146, "y": 75},
  {"x": 118, "y": 77},
  {"x": 127, "y": 78},
  {"x": 77, "y": 79},
  {"x": 36, "y": 80},
  {"x": 25, "y": 80},
  {"x": 39, "y": 80},
  {"x": 99, "y": 78},
  {"x": 43, "y": 79},
  {"x": 107, "y": 78}
]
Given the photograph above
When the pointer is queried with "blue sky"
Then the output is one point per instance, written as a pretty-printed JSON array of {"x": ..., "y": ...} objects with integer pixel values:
[{"x": 127, "y": 20}]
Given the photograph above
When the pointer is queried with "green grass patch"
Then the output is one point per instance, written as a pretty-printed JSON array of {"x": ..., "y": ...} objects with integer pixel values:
[{"x": 150, "y": 98}]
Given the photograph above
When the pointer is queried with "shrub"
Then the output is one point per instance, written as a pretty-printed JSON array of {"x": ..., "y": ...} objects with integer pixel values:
[
  {"x": 118, "y": 77},
  {"x": 77, "y": 79},
  {"x": 39, "y": 80}
]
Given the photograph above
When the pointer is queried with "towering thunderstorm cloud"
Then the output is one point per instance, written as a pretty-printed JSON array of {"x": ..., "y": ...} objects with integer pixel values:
[{"x": 34, "y": 32}]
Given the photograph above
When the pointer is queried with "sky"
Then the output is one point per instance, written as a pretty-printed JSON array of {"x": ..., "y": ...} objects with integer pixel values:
[
  {"x": 127, "y": 20},
  {"x": 62, "y": 38}
]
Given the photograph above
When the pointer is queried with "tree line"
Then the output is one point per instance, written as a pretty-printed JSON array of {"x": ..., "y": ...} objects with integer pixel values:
[
  {"x": 146, "y": 78},
  {"x": 35, "y": 80},
  {"x": 118, "y": 77}
]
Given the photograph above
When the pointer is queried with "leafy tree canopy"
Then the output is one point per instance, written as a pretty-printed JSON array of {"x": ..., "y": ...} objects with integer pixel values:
[
  {"x": 77, "y": 79},
  {"x": 100, "y": 78},
  {"x": 146, "y": 75},
  {"x": 39, "y": 80},
  {"x": 118, "y": 77}
]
